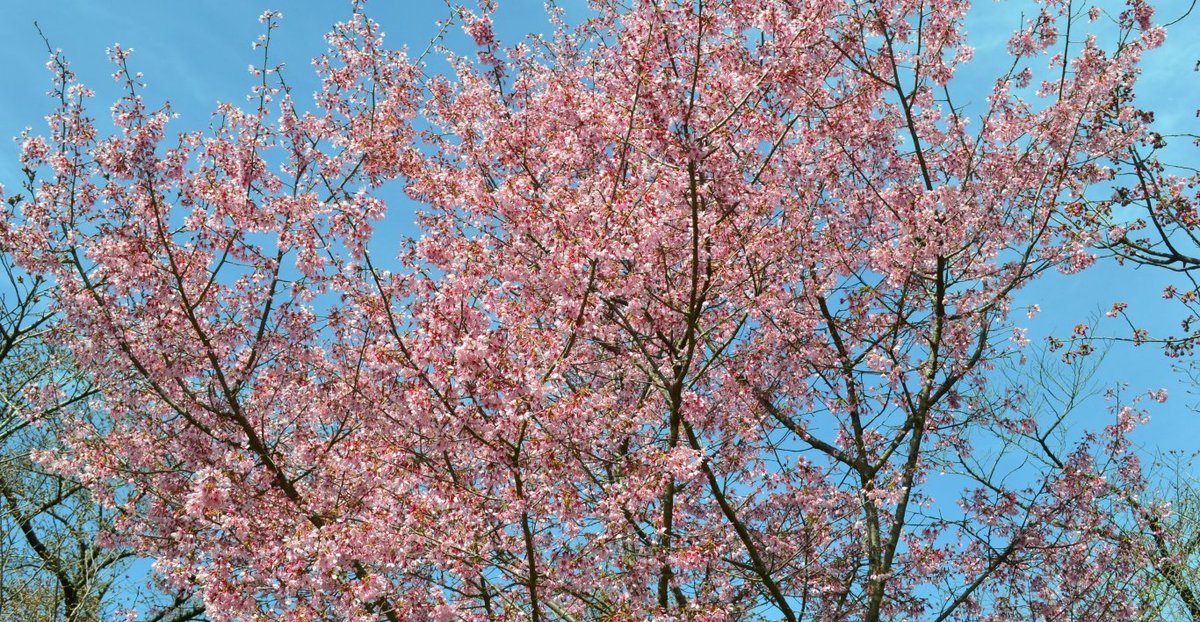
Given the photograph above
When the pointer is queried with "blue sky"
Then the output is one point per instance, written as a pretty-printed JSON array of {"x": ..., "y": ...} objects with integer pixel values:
[{"x": 197, "y": 53}]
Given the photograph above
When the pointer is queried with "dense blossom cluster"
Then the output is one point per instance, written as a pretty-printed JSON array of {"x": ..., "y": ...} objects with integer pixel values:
[{"x": 703, "y": 302}]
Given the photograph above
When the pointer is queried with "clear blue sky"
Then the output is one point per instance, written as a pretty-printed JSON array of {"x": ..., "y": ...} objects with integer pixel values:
[{"x": 196, "y": 53}]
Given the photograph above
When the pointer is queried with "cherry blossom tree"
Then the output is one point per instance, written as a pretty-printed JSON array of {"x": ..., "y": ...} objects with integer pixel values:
[{"x": 706, "y": 296}]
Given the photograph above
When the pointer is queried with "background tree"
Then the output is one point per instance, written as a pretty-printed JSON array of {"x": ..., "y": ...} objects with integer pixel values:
[
  {"x": 57, "y": 559},
  {"x": 1168, "y": 515},
  {"x": 52, "y": 567},
  {"x": 1149, "y": 219},
  {"x": 1157, "y": 517},
  {"x": 706, "y": 290}
]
